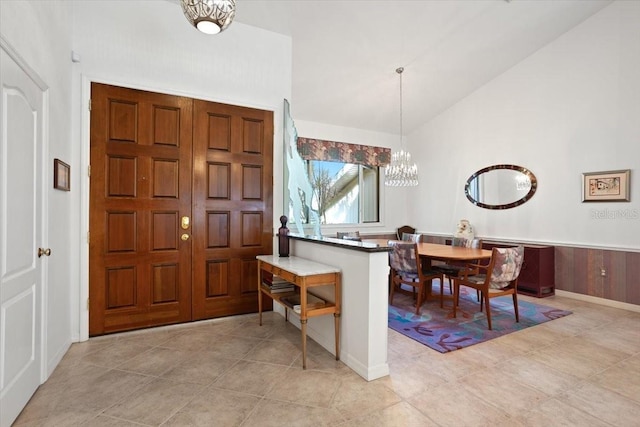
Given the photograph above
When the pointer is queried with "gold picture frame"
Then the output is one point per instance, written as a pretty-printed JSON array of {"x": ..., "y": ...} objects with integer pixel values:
[
  {"x": 606, "y": 186},
  {"x": 61, "y": 175}
]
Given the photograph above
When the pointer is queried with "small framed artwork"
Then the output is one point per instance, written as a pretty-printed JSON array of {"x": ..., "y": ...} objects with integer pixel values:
[
  {"x": 609, "y": 186},
  {"x": 61, "y": 175}
]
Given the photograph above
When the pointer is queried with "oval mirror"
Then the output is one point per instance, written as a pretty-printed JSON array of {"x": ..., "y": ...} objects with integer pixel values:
[{"x": 501, "y": 186}]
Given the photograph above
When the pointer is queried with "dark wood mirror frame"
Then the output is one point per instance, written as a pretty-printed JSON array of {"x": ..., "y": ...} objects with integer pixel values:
[{"x": 526, "y": 172}]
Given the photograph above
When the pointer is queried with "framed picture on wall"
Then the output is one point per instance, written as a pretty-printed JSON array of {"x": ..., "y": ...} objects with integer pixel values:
[
  {"x": 608, "y": 186},
  {"x": 61, "y": 175}
]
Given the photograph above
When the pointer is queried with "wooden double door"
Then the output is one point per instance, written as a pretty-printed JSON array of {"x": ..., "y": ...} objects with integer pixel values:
[{"x": 180, "y": 205}]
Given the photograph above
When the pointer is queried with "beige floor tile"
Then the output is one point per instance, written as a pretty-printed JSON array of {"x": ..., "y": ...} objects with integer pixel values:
[
  {"x": 559, "y": 414},
  {"x": 502, "y": 391},
  {"x": 452, "y": 405},
  {"x": 273, "y": 413},
  {"x": 603, "y": 404},
  {"x": 620, "y": 339},
  {"x": 154, "y": 362},
  {"x": 199, "y": 367},
  {"x": 101, "y": 392},
  {"x": 251, "y": 377},
  {"x": 624, "y": 378},
  {"x": 281, "y": 353},
  {"x": 408, "y": 378},
  {"x": 199, "y": 339},
  {"x": 155, "y": 402},
  {"x": 231, "y": 346},
  {"x": 538, "y": 375},
  {"x": 578, "y": 365},
  {"x": 215, "y": 407},
  {"x": 357, "y": 397},
  {"x": 115, "y": 354},
  {"x": 306, "y": 387},
  {"x": 399, "y": 415}
]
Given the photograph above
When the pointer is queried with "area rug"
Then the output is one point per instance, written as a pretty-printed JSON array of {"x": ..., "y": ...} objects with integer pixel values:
[{"x": 436, "y": 328}]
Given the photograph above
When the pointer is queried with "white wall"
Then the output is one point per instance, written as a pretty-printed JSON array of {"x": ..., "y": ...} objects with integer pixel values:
[
  {"x": 150, "y": 45},
  {"x": 38, "y": 31},
  {"x": 391, "y": 198},
  {"x": 572, "y": 107}
]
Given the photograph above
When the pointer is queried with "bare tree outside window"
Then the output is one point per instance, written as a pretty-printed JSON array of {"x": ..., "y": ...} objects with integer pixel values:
[{"x": 323, "y": 191}]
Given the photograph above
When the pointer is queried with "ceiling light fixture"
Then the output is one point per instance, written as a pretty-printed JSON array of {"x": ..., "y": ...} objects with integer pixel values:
[
  {"x": 209, "y": 16},
  {"x": 401, "y": 172}
]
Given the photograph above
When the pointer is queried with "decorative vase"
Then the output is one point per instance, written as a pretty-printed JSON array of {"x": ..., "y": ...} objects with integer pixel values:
[{"x": 283, "y": 237}]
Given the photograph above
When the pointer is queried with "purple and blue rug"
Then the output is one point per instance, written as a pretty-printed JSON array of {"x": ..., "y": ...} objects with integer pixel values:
[{"x": 436, "y": 328}]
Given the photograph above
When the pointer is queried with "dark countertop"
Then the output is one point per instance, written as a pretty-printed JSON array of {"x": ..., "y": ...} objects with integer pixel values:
[{"x": 365, "y": 246}]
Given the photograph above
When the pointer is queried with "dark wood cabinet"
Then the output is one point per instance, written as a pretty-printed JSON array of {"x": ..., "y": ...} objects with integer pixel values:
[{"x": 537, "y": 277}]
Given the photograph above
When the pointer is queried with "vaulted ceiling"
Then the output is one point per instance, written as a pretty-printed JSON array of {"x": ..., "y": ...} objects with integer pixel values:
[{"x": 345, "y": 53}]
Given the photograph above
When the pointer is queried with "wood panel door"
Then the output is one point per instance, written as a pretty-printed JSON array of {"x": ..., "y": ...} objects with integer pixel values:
[
  {"x": 141, "y": 171},
  {"x": 232, "y": 206}
]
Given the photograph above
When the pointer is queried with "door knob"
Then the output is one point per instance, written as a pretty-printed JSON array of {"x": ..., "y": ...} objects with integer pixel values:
[
  {"x": 43, "y": 251},
  {"x": 185, "y": 237}
]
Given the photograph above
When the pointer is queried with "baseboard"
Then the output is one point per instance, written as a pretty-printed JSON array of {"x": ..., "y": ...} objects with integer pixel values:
[{"x": 600, "y": 301}]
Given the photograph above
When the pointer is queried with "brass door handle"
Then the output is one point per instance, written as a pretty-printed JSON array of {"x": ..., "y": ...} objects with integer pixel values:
[
  {"x": 43, "y": 251},
  {"x": 185, "y": 237}
]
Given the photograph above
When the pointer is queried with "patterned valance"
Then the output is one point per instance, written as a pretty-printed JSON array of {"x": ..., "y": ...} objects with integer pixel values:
[{"x": 331, "y": 151}]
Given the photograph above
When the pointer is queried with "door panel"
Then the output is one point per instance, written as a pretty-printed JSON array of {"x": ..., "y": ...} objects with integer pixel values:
[
  {"x": 232, "y": 202},
  {"x": 157, "y": 159},
  {"x": 140, "y": 268},
  {"x": 21, "y": 145}
]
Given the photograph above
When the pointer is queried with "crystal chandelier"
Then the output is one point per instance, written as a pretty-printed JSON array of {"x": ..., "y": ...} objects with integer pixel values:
[
  {"x": 209, "y": 16},
  {"x": 401, "y": 172}
]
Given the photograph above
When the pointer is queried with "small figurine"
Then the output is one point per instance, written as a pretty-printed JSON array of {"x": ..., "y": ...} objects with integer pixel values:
[
  {"x": 283, "y": 237},
  {"x": 464, "y": 230}
]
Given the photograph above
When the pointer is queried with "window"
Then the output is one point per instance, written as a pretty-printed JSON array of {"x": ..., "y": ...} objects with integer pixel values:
[{"x": 343, "y": 193}]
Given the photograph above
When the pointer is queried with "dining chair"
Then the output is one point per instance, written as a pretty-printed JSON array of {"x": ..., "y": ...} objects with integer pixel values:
[
  {"x": 411, "y": 237},
  {"x": 500, "y": 278},
  {"x": 452, "y": 269},
  {"x": 406, "y": 269},
  {"x": 404, "y": 229},
  {"x": 349, "y": 235}
]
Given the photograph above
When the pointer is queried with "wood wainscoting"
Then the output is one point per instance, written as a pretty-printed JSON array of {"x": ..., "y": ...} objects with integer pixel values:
[{"x": 579, "y": 270}]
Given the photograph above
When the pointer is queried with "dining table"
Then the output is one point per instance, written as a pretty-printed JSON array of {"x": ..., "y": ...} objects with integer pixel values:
[{"x": 429, "y": 252}]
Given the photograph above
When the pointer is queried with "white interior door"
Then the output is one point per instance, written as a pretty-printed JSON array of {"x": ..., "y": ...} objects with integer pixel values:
[{"x": 21, "y": 146}]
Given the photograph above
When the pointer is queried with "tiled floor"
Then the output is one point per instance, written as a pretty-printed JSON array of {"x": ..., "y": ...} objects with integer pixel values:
[{"x": 581, "y": 370}]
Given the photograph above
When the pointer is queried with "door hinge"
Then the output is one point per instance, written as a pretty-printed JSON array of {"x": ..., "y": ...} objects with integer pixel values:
[
  {"x": 89, "y": 171},
  {"x": 88, "y": 237},
  {"x": 89, "y": 104},
  {"x": 87, "y": 303}
]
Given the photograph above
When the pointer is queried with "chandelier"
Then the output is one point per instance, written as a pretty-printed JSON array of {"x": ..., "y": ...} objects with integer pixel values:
[
  {"x": 209, "y": 16},
  {"x": 401, "y": 172}
]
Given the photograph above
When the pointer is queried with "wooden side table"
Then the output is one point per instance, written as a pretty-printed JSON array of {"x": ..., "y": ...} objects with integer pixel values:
[{"x": 304, "y": 274}]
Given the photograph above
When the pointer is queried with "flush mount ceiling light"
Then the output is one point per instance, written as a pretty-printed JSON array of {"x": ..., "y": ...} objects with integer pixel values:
[
  {"x": 401, "y": 172},
  {"x": 209, "y": 16}
]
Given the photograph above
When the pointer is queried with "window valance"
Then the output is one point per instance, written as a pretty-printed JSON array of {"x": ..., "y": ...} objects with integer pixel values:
[{"x": 332, "y": 151}]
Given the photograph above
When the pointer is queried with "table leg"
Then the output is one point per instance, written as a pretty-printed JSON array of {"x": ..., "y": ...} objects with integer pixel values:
[
  {"x": 303, "y": 327},
  {"x": 336, "y": 318}
]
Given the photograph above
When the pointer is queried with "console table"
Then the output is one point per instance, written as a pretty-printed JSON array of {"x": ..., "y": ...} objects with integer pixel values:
[{"x": 304, "y": 274}]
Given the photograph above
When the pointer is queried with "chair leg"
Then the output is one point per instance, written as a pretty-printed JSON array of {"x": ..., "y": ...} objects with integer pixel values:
[
  {"x": 486, "y": 298},
  {"x": 456, "y": 291},
  {"x": 419, "y": 302},
  {"x": 442, "y": 291},
  {"x": 393, "y": 287},
  {"x": 515, "y": 307},
  {"x": 478, "y": 295}
]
